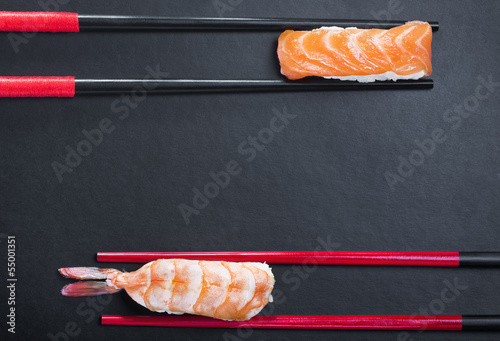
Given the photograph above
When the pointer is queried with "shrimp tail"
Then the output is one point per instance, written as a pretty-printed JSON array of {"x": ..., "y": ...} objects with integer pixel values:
[
  {"x": 86, "y": 273},
  {"x": 91, "y": 288}
]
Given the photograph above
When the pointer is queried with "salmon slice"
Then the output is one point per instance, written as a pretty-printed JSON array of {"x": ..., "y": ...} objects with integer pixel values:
[{"x": 402, "y": 52}]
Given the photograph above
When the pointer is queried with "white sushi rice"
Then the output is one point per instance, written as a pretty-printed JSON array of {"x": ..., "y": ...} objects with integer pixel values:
[
  {"x": 389, "y": 75},
  {"x": 335, "y": 28}
]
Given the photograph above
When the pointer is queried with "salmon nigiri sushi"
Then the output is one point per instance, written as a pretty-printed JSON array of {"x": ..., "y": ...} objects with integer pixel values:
[
  {"x": 223, "y": 290},
  {"x": 402, "y": 52}
]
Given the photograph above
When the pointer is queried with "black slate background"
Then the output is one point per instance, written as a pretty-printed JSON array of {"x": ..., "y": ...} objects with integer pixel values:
[{"x": 322, "y": 177}]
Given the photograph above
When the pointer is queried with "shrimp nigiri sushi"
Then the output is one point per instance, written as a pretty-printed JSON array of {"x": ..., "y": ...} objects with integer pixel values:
[
  {"x": 223, "y": 290},
  {"x": 402, "y": 52}
]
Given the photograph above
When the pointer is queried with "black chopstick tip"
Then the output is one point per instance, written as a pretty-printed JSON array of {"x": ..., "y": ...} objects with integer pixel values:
[
  {"x": 479, "y": 259},
  {"x": 480, "y": 322}
]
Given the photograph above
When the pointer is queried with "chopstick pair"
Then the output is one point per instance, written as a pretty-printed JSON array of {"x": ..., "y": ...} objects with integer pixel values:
[
  {"x": 73, "y": 22},
  {"x": 361, "y": 322}
]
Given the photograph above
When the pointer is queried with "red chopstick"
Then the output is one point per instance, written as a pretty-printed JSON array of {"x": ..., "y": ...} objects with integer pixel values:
[
  {"x": 367, "y": 322},
  {"x": 445, "y": 259}
]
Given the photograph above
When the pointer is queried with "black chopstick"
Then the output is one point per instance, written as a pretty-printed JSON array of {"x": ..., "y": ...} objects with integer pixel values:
[
  {"x": 114, "y": 22},
  {"x": 74, "y": 22},
  {"x": 69, "y": 86},
  {"x": 96, "y": 86}
]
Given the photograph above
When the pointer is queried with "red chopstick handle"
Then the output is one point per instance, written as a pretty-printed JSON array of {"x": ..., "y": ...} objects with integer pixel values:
[
  {"x": 37, "y": 86},
  {"x": 366, "y": 322},
  {"x": 445, "y": 259},
  {"x": 39, "y": 22}
]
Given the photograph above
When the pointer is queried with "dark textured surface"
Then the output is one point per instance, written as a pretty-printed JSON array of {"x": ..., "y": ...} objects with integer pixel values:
[{"x": 321, "y": 177}]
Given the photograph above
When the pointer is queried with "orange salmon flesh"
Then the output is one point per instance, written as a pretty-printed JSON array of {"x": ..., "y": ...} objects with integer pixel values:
[{"x": 335, "y": 52}]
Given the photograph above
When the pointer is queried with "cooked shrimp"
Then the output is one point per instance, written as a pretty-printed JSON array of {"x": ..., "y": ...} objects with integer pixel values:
[{"x": 223, "y": 290}]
